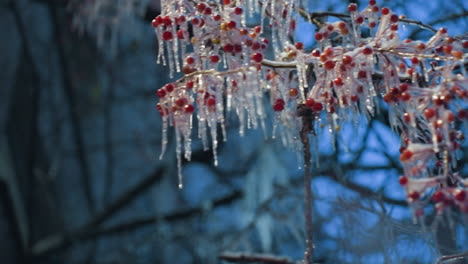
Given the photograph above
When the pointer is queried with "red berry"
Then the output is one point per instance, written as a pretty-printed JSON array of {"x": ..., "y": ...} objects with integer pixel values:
[
  {"x": 228, "y": 48},
  {"x": 329, "y": 65},
  {"x": 299, "y": 45},
  {"x": 388, "y": 98},
  {"x": 167, "y": 35},
  {"x": 403, "y": 87},
  {"x": 208, "y": 11},
  {"x": 338, "y": 81},
  {"x": 362, "y": 74},
  {"x": 180, "y": 20},
  {"x": 255, "y": 46},
  {"x": 217, "y": 17},
  {"x": 188, "y": 108},
  {"x": 406, "y": 117},
  {"x": 414, "y": 60},
  {"x": 214, "y": 58},
  {"x": 316, "y": 53},
  {"x": 257, "y": 57},
  {"x": 414, "y": 195},
  {"x": 385, "y": 11},
  {"x": 372, "y": 2},
  {"x": 342, "y": 25},
  {"x": 169, "y": 87},
  {"x": 190, "y": 60},
  {"x": 394, "y": 27},
  {"x": 367, "y": 51},
  {"x": 310, "y": 102},
  {"x": 403, "y": 180},
  {"x": 359, "y": 20},
  {"x": 429, "y": 113},
  {"x": 447, "y": 49},
  {"x": 393, "y": 18},
  {"x": 318, "y": 36},
  {"x": 352, "y": 7},
  {"x": 166, "y": 21},
  {"x": 278, "y": 107},
  {"x": 443, "y": 30},
  {"x": 405, "y": 96},
  {"x": 195, "y": 21},
  {"x": 237, "y": 48},
  {"x": 201, "y": 7},
  {"x": 293, "y": 92},
  {"x": 211, "y": 102},
  {"x": 406, "y": 155},
  {"x": 459, "y": 195},
  {"x": 317, "y": 107},
  {"x": 190, "y": 84},
  {"x": 438, "y": 196},
  {"x": 231, "y": 24},
  {"x": 462, "y": 114},
  {"x": 155, "y": 23},
  {"x": 238, "y": 11},
  {"x": 347, "y": 59},
  {"x": 226, "y": 2},
  {"x": 180, "y": 34},
  {"x": 181, "y": 101},
  {"x": 161, "y": 93}
]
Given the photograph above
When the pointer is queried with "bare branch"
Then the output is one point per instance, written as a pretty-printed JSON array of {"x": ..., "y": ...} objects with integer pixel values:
[
  {"x": 460, "y": 256},
  {"x": 59, "y": 241},
  {"x": 249, "y": 258}
]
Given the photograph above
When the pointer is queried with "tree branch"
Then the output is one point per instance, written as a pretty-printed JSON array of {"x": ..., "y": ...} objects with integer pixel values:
[
  {"x": 304, "y": 134},
  {"x": 68, "y": 87},
  {"x": 55, "y": 242},
  {"x": 249, "y": 258}
]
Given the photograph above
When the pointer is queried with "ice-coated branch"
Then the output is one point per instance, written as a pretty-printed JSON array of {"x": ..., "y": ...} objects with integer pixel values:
[
  {"x": 312, "y": 16},
  {"x": 453, "y": 258}
]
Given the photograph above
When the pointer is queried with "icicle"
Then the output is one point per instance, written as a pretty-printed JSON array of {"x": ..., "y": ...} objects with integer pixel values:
[
  {"x": 179, "y": 159},
  {"x": 262, "y": 15},
  {"x": 187, "y": 138},
  {"x": 301, "y": 75},
  {"x": 214, "y": 139},
  {"x": 160, "y": 47},
  {"x": 170, "y": 58},
  {"x": 164, "y": 137},
  {"x": 202, "y": 130},
  {"x": 176, "y": 49},
  {"x": 275, "y": 126}
]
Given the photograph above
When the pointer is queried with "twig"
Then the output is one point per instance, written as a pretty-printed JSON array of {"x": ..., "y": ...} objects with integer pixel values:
[
  {"x": 279, "y": 64},
  {"x": 440, "y": 20},
  {"x": 248, "y": 258},
  {"x": 442, "y": 259},
  {"x": 179, "y": 215}
]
